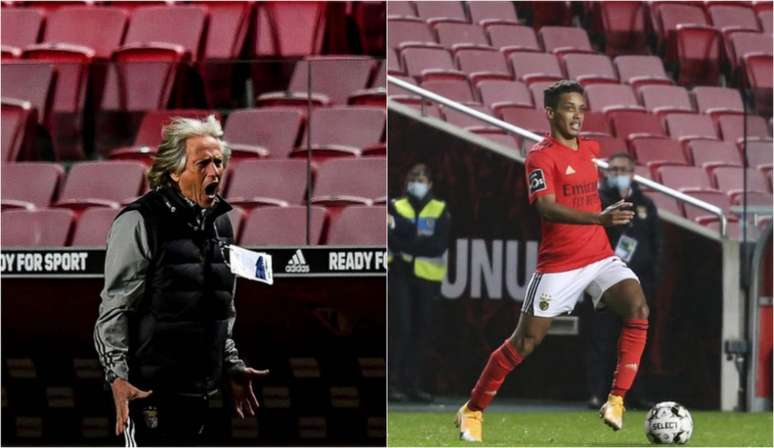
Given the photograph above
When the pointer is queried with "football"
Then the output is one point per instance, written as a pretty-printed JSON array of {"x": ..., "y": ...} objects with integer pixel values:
[{"x": 668, "y": 423}]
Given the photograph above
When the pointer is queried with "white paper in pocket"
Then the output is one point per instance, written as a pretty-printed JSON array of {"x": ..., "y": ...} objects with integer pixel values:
[{"x": 251, "y": 265}]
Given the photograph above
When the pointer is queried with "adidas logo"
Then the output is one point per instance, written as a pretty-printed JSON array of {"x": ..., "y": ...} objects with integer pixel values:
[
  {"x": 297, "y": 263},
  {"x": 569, "y": 170}
]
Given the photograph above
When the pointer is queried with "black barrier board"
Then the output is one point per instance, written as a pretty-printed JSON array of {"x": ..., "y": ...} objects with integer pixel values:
[{"x": 305, "y": 261}]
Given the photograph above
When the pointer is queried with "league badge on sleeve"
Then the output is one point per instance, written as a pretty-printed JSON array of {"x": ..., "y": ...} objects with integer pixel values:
[{"x": 537, "y": 181}]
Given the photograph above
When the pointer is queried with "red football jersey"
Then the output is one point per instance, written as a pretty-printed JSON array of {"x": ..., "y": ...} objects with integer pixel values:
[{"x": 570, "y": 175}]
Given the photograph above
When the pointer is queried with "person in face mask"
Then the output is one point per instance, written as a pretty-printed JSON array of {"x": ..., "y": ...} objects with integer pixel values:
[
  {"x": 418, "y": 237},
  {"x": 638, "y": 244}
]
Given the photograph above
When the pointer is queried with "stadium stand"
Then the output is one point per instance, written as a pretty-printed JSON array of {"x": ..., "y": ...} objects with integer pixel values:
[
  {"x": 87, "y": 88},
  {"x": 100, "y": 80},
  {"x": 668, "y": 82}
]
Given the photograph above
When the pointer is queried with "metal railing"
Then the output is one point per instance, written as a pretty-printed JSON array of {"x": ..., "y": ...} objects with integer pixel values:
[{"x": 508, "y": 127}]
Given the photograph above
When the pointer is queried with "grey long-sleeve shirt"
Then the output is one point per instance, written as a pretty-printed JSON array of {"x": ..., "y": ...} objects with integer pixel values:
[{"x": 126, "y": 262}]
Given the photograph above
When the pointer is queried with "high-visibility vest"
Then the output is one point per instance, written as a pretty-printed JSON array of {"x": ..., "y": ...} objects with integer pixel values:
[{"x": 428, "y": 268}]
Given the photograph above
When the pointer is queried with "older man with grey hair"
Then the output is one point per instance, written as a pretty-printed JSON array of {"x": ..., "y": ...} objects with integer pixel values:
[{"x": 163, "y": 334}]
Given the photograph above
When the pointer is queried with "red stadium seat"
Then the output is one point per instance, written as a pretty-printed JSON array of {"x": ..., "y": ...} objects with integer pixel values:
[
  {"x": 733, "y": 229},
  {"x": 731, "y": 179},
  {"x": 698, "y": 55},
  {"x": 512, "y": 37},
  {"x": 143, "y": 77},
  {"x": 737, "y": 17},
  {"x": 758, "y": 75},
  {"x": 225, "y": 38},
  {"x": 595, "y": 122},
  {"x": 683, "y": 126},
  {"x": 760, "y": 153},
  {"x": 628, "y": 123},
  {"x": 496, "y": 93},
  {"x": 483, "y": 64},
  {"x": 590, "y": 68},
  {"x": 72, "y": 64},
  {"x": 455, "y": 34},
  {"x": 683, "y": 177},
  {"x": 418, "y": 60},
  {"x": 30, "y": 82},
  {"x": 271, "y": 130},
  {"x": 485, "y": 12},
  {"x": 711, "y": 100},
  {"x": 538, "y": 93},
  {"x": 178, "y": 25},
  {"x": 454, "y": 89},
  {"x": 290, "y": 29},
  {"x": 741, "y": 43},
  {"x": 268, "y": 182},
  {"x": 602, "y": 96},
  {"x": 715, "y": 198},
  {"x": 333, "y": 79},
  {"x": 342, "y": 131},
  {"x": 237, "y": 216},
  {"x": 441, "y": 10},
  {"x": 29, "y": 228},
  {"x": 753, "y": 198},
  {"x": 98, "y": 28},
  {"x": 713, "y": 152},
  {"x": 226, "y": 29},
  {"x": 18, "y": 117},
  {"x": 666, "y": 99},
  {"x": 105, "y": 183},
  {"x": 623, "y": 24},
  {"x": 465, "y": 121},
  {"x": 641, "y": 70},
  {"x": 671, "y": 15},
  {"x": 93, "y": 227},
  {"x": 665, "y": 203},
  {"x": 564, "y": 39},
  {"x": 406, "y": 29},
  {"x": 149, "y": 134},
  {"x": 766, "y": 20},
  {"x": 541, "y": 13},
  {"x": 30, "y": 184},
  {"x": 350, "y": 181},
  {"x": 369, "y": 18},
  {"x": 282, "y": 226},
  {"x": 732, "y": 127},
  {"x": 530, "y": 67},
  {"x": 655, "y": 152},
  {"x": 360, "y": 226},
  {"x": 21, "y": 26},
  {"x": 401, "y": 8},
  {"x": 376, "y": 94},
  {"x": 609, "y": 146},
  {"x": 530, "y": 119}
]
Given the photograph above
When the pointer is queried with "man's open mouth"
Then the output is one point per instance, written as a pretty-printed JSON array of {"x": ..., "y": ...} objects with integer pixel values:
[
  {"x": 211, "y": 190},
  {"x": 575, "y": 126}
]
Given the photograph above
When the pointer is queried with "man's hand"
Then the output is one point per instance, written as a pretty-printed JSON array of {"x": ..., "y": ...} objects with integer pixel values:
[
  {"x": 242, "y": 390},
  {"x": 123, "y": 393},
  {"x": 615, "y": 215}
]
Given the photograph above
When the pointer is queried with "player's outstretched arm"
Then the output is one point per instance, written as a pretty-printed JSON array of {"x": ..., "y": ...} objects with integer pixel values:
[{"x": 614, "y": 215}]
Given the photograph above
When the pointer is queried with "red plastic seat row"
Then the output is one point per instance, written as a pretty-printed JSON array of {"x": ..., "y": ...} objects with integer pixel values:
[{"x": 360, "y": 225}]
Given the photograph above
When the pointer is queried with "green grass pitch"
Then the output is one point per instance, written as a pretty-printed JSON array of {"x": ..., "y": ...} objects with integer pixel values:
[{"x": 573, "y": 428}]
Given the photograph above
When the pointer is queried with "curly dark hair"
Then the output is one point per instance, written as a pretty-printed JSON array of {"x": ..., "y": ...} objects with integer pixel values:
[{"x": 554, "y": 91}]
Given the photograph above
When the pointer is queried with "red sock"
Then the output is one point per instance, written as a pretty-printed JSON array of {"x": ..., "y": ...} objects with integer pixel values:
[
  {"x": 631, "y": 344},
  {"x": 500, "y": 363}
]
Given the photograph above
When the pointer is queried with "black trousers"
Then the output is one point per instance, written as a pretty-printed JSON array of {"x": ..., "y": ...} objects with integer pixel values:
[
  {"x": 604, "y": 329},
  {"x": 168, "y": 420},
  {"x": 410, "y": 300}
]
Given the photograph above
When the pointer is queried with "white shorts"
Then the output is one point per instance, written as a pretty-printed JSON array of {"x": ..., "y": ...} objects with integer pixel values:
[{"x": 556, "y": 293}]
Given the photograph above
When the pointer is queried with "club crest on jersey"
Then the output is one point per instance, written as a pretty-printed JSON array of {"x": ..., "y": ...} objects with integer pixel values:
[
  {"x": 537, "y": 182},
  {"x": 545, "y": 300},
  {"x": 569, "y": 170}
]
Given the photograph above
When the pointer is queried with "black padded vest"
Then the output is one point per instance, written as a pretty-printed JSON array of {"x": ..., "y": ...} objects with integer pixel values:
[{"x": 178, "y": 331}]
